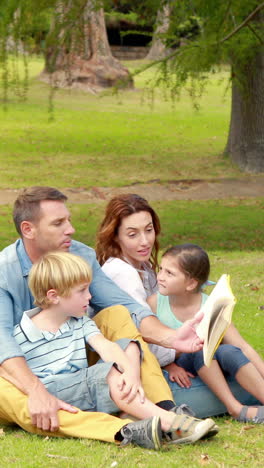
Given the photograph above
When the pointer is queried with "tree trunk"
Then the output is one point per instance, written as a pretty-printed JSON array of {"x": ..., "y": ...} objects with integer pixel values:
[
  {"x": 158, "y": 48},
  {"x": 245, "y": 143},
  {"x": 78, "y": 54}
]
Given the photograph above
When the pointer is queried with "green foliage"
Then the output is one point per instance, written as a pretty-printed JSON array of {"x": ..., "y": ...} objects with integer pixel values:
[
  {"x": 114, "y": 141},
  {"x": 218, "y": 39},
  {"x": 130, "y": 17}
]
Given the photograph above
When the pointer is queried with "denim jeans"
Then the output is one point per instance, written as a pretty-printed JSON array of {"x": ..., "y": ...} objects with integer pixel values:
[
  {"x": 199, "y": 397},
  {"x": 203, "y": 401},
  {"x": 230, "y": 359}
]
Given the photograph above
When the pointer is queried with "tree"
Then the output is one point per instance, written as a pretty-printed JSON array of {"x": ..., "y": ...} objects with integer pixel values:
[
  {"x": 231, "y": 32},
  {"x": 77, "y": 53},
  {"x": 158, "y": 47},
  {"x": 76, "y": 49}
]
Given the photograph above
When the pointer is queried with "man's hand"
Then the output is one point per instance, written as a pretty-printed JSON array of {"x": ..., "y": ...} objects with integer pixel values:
[
  {"x": 185, "y": 338},
  {"x": 43, "y": 408},
  {"x": 179, "y": 375},
  {"x": 129, "y": 386}
]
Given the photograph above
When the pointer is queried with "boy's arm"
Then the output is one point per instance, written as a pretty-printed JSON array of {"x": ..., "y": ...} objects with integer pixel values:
[{"x": 130, "y": 383}]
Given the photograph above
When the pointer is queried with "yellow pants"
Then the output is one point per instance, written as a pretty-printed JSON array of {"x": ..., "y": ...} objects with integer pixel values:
[{"x": 115, "y": 323}]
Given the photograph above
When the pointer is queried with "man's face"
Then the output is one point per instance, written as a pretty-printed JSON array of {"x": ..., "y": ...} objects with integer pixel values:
[{"x": 53, "y": 231}]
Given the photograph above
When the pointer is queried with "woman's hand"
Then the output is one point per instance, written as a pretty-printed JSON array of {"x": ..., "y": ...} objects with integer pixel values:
[{"x": 179, "y": 375}]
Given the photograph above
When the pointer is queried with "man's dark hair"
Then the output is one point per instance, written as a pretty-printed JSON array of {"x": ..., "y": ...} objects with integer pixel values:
[{"x": 27, "y": 204}]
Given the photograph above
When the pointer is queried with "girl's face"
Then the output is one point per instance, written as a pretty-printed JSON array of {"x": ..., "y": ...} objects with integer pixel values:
[
  {"x": 171, "y": 280},
  {"x": 136, "y": 237}
]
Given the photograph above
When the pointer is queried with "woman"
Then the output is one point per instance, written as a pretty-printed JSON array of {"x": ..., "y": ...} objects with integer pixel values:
[{"x": 127, "y": 248}]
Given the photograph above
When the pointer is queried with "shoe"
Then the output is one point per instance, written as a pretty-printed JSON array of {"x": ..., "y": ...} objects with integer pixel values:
[
  {"x": 187, "y": 430},
  {"x": 258, "y": 419},
  {"x": 211, "y": 433},
  {"x": 146, "y": 433},
  {"x": 183, "y": 409}
]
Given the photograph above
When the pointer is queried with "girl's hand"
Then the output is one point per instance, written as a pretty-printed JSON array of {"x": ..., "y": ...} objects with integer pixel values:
[
  {"x": 179, "y": 375},
  {"x": 129, "y": 387}
]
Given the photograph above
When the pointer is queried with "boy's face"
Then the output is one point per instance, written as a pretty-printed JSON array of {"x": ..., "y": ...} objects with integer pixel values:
[{"x": 76, "y": 304}]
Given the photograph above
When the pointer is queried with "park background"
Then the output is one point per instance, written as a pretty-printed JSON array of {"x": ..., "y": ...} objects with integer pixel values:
[{"x": 138, "y": 140}]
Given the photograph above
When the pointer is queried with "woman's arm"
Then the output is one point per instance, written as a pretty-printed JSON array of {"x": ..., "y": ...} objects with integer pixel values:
[
  {"x": 152, "y": 302},
  {"x": 234, "y": 338}
]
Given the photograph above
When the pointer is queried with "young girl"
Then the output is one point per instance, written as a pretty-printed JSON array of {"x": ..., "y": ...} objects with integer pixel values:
[
  {"x": 127, "y": 248},
  {"x": 183, "y": 271}
]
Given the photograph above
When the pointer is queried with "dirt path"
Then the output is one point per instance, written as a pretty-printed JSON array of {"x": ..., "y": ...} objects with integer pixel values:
[{"x": 246, "y": 187}]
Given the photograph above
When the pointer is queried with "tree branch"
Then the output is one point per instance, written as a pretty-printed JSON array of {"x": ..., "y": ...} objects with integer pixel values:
[
  {"x": 255, "y": 33},
  {"x": 244, "y": 23}
]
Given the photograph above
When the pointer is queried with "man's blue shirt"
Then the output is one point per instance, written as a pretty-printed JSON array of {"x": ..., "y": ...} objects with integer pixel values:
[{"x": 15, "y": 296}]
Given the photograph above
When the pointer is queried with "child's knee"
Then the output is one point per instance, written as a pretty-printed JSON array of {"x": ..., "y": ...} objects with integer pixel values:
[{"x": 230, "y": 358}]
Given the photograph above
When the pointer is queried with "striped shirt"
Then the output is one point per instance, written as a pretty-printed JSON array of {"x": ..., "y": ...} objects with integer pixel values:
[{"x": 50, "y": 353}]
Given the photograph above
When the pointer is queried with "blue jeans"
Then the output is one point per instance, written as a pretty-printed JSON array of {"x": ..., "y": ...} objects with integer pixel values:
[
  {"x": 199, "y": 397},
  {"x": 230, "y": 359}
]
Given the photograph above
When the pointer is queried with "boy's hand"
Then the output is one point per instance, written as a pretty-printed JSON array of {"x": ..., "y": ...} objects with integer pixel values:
[
  {"x": 129, "y": 386},
  {"x": 179, "y": 375}
]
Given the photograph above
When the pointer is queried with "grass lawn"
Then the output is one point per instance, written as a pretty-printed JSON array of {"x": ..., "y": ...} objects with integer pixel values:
[
  {"x": 117, "y": 140},
  {"x": 112, "y": 140}
]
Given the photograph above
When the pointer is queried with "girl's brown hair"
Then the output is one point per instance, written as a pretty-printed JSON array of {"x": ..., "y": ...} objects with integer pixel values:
[
  {"x": 118, "y": 208},
  {"x": 193, "y": 261}
]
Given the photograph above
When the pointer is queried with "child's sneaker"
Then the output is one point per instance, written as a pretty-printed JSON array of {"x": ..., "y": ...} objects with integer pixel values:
[
  {"x": 145, "y": 433},
  {"x": 186, "y": 429},
  {"x": 183, "y": 409}
]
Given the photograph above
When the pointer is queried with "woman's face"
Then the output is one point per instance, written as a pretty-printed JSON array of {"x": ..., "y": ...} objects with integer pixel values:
[{"x": 136, "y": 237}]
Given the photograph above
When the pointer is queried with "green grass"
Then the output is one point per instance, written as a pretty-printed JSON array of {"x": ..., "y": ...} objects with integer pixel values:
[
  {"x": 221, "y": 227},
  {"x": 112, "y": 140},
  {"x": 117, "y": 140},
  {"x": 233, "y": 248}
]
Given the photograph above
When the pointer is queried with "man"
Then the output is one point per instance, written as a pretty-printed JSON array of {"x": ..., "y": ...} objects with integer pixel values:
[{"x": 43, "y": 222}]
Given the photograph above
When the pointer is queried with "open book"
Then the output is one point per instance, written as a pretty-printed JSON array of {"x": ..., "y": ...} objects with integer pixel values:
[{"x": 217, "y": 317}]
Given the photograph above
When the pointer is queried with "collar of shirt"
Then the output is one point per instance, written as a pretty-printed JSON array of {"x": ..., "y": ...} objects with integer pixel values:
[
  {"x": 34, "y": 334},
  {"x": 23, "y": 257}
]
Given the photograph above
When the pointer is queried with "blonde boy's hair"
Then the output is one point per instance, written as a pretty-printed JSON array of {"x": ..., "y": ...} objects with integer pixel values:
[{"x": 61, "y": 271}]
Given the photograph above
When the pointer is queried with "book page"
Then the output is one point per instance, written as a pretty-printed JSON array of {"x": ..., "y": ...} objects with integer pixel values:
[{"x": 217, "y": 317}]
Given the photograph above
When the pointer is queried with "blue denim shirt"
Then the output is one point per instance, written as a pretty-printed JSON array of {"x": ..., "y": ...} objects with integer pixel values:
[{"x": 15, "y": 296}]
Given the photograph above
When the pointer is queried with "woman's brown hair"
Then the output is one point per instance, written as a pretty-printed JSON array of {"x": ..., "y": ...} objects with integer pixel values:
[{"x": 118, "y": 208}]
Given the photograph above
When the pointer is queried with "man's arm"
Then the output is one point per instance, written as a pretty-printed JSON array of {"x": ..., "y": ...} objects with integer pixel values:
[
  {"x": 184, "y": 339},
  {"x": 106, "y": 293},
  {"x": 43, "y": 406}
]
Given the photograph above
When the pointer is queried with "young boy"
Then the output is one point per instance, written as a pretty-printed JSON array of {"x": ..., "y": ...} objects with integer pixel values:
[{"x": 53, "y": 336}]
